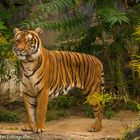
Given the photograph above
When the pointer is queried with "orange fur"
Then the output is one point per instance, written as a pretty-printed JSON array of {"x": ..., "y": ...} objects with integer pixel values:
[{"x": 51, "y": 73}]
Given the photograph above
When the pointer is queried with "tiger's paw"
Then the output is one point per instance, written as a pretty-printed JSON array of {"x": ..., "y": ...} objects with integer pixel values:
[
  {"x": 95, "y": 128},
  {"x": 38, "y": 130},
  {"x": 27, "y": 128}
]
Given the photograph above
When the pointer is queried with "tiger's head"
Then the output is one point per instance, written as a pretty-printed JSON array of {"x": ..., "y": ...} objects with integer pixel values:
[{"x": 27, "y": 44}]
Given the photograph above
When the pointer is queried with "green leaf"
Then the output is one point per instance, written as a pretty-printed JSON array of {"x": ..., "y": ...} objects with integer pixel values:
[
  {"x": 65, "y": 24},
  {"x": 113, "y": 16},
  {"x": 2, "y": 26},
  {"x": 135, "y": 64},
  {"x": 56, "y": 6}
]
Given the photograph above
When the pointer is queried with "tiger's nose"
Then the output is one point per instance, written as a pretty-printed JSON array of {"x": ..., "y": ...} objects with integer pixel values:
[{"x": 19, "y": 49}]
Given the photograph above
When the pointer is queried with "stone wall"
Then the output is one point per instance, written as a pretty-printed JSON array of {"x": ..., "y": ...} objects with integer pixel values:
[{"x": 9, "y": 83}]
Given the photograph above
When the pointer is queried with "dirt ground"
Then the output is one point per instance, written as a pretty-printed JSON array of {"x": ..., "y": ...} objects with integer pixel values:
[{"x": 76, "y": 128}]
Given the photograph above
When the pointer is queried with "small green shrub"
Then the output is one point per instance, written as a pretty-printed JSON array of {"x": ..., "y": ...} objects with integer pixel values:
[
  {"x": 61, "y": 102},
  {"x": 7, "y": 116},
  {"x": 88, "y": 110},
  {"x": 55, "y": 114},
  {"x": 130, "y": 105},
  {"x": 109, "y": 114},
  {"x": 61, "y": 113}
]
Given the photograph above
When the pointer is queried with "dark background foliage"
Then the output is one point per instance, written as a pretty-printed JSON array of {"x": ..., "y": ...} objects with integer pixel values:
[{"x": 101, "y": 28}]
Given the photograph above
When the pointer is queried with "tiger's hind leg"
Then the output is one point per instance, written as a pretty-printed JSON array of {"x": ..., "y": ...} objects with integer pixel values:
[
  {"x": 97, "y": 108},
  {"x": 30, "y": 104},
  {"x": 98, "y": 112},
  {"x": 97, "y": 105}
]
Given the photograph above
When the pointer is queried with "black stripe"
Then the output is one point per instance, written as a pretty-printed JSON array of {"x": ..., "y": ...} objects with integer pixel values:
[
  {"x": 96, "y": 110},
  {"x": 61, "y": 88},
  {"x": 37, "y": 39},
  {"x": 26, "y": 76},
  {"x": 97, "y": 114},
  {"x": 40, "y": 78},
  {"x": 43, "y": 70},
  {"x": 37, "y": 47},
  {"x": 95, "y": 106},
  {"x": 61, "y": 67},
  {"x": 97, "y": 86},
  {"x": 17, "y": 35},
  {"x": 64, "y": 67},
  {"x": 32, "y": 105},
  {"x": 42, "y": 88},
  {"x": 29, "y": 95},
  {"x": 94, "y": 72},
  {"x": 70, "y": 65},
  {"x": 39, "y": 63},
  {"x": 38, "y": 81},
  {"x": 78, "y": 65},
  {"x": 52, "y": 71},
  {"x": 75, "y": 79},
  {"x": 23, "y": 83},
  {"x": 55, "y": 70},
  {"x": 67, "y": 78},
  {"x": 22, "y": 67},
  {"x": 92, "y": 76},
  {"x": 56, "y": 66},
  {"x": 29, "y": 61},
  {"x": 40, "y": 91},
  {"x": 51, "y": 95},
  {"x": 36, "y": 50},
  {"x": 83, "y": 74},
  {"x": 36, "y": 68},
  {"x": 86, "y": 71},
  {"x": 60, "y": 91},
  {"x": 55, "y": 88}
]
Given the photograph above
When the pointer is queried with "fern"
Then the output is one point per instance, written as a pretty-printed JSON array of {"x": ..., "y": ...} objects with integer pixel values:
[
  {"x": 135, "y": 64},
  {"x": 55, "y": 6},
  {"x": 137, "y": 33},
  {"x": 2, "y": 26},
  {"x": 65, "y": 24},
  {"x": 113, "y": 16}
]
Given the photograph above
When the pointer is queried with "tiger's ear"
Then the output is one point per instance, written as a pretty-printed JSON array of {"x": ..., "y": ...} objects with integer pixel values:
[
  {"x": 16, "y": 30},
  {"x": 39, "y": 31}
]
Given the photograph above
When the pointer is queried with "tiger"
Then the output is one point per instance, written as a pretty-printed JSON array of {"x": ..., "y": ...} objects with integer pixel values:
[{"x": 47, "y": 74}]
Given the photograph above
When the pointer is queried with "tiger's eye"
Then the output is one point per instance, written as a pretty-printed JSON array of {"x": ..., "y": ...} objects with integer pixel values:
[{"x": 32, "y": 44}]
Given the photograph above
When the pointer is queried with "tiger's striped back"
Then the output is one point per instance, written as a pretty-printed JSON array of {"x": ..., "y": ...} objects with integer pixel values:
[{"x": 71, "y": 69}]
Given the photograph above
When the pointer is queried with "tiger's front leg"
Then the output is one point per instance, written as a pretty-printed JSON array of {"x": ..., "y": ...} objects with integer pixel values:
[
  {"x": 30, "y": 104},
  {"x": 41, "y": 112}
]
